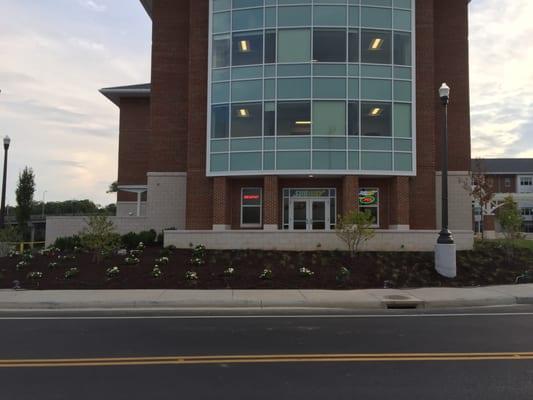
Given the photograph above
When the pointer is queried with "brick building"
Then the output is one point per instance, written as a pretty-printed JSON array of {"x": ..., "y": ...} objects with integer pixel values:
[
  {"x": 266, "y": 119},
  {"x": 507, "y": 177}
]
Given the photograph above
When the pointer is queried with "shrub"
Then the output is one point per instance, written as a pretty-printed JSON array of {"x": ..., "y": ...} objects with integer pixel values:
[
  {"x": 354, "y": 229},
  {"x": 132, "y": 240},
  {"x": 99, "y": 237},
  {"x": 343, "y": 274},
  {"x": 510, "y": 219},
  {"x": 199, "y": 251},
  {"x": 165, "y": 252},
  {"x": 72, "y": 273},
  {"x": 112, "y": 272},
  {"x": 67, "y": 243}
]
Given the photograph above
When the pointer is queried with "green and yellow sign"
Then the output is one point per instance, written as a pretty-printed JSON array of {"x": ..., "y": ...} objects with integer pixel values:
[{"x": 368, "y": 197}]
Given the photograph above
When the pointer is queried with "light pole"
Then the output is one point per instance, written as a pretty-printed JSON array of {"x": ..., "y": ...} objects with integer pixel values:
[
  {"x": 7, "y": 141},
  {"x": 44, "y": 203},
  {"x": 445, "y": 250}
]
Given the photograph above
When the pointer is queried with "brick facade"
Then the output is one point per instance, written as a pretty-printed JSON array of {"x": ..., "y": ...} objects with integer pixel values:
[{"x": 167, "y": 133}]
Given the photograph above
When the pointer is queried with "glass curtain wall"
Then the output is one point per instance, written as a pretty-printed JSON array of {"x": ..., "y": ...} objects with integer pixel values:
[{"x": 311, "y": 86}]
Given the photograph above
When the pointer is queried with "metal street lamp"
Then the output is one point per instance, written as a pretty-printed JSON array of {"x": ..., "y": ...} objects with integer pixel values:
[
  {"x": 445, "y": 250},
  {"x": 7, "y": 142}
]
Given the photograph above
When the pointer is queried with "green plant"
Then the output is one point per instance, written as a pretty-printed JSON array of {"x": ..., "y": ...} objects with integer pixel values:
[
  {"x": 162, "y": 260},
  {"x": 67, "y": 243},
  {"x": 35, "y": 276},
  {"x": 72, "y": 273},
  {"x": 266, "y": 274},
  {"x": 197, "y": 261},
  {"x": 510, "y": 219},
  {"x": 24, "y": 196},
  {"x": 305, "y": 272},
  {"x": 21, "y": 265},
  {"x": 99, "y": 236},
  {"x": 131, "y": 260},
  {"x": 10, "y": 235},
  {"x": 132, "y": 240},
  {"x": 53, "y": 265},
  {"x": 343, "y": 274},
  {"x": 112, "y": 272},
  {"x": 199, "y": 251},
  {"x": 355, "y": 228},
  {"x": 157, "y": 272},
  {"x": 191, "y": 276}
]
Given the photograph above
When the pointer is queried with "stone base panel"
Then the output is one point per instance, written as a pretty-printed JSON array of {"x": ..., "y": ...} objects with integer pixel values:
[
  {"x": 129, "y": 208},
  {"x": 385, "y": 240},
  {"x": 459, "y": 200}
]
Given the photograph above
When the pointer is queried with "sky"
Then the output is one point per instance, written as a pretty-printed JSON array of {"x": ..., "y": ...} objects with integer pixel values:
[{"x": 56, "y": 54}]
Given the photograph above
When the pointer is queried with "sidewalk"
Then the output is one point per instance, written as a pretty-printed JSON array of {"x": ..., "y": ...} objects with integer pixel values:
[{"x": 264, "y": 299}]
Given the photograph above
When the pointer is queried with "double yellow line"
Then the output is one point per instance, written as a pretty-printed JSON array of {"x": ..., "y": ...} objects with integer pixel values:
[{"x": 262, "y": 359}]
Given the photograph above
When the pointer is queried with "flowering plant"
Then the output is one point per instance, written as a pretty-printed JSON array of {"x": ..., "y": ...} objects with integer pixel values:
[
  {"x": 196, "y": 261},
  {"x": 112, "y": 272},
  {"x": 266, "y": 274},
  {"x": 35, "y": 276},
  {"x": 21, "y": 265},
  {"x": 306, "y": 272},
  {"x": 131, "y": 260},
  {"x": 162, "y": 260},
  {"x": 72, "y": 273},
  {"x": 156, "y": 272},
  {"x": 191, "y": 276},
  {"x": 230, "y": 271},
  {"x": 141, "y": 246},
  {"x": 53, "y": 265}
]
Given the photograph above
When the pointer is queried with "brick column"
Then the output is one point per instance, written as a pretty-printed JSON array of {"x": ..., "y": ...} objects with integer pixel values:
[
  {"x": 399, "y": 203},
  {"x": 271, "y": 203},
  {"x": 221, "y": 204},
  {"x": 350, "y": 194}
]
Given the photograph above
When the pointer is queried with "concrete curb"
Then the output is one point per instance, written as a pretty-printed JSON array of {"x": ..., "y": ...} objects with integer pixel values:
[{"x": 428, "y": 298}]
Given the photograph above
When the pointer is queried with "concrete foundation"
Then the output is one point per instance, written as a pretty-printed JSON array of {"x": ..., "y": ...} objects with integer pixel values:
[{"x": 385, "y": 240}]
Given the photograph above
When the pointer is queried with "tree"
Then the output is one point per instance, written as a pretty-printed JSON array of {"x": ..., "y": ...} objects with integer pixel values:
[
  {"x": 99, "y": 237},
  {"x": 481, "y": 190},
  {"x": 113, "y": 187},
  {"x": 24, "y": 194},
  {"x": 510, "y": 219},
  {"x": 354, "y": 229}
]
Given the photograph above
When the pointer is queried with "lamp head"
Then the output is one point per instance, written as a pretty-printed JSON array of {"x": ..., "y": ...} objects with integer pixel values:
[
  {"x": 444, "y": 93},
  {"x": 7, "y": 141}
]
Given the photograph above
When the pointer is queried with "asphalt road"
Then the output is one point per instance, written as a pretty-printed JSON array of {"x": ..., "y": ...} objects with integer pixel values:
[{"x": 464, "y": 354}]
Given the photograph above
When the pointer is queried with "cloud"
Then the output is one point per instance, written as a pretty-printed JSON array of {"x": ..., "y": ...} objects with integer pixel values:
[
  {"x": 93, "y": 5},
  {"x": 501, "y": 55}
]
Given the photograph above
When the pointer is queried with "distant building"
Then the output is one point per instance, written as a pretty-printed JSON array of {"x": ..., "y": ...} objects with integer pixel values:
[
  {"x": 508, "y": 176},
  {"x": 266, "y": 119}
]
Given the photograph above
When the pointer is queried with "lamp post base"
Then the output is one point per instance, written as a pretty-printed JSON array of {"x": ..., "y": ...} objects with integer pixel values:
[
  {"x": 445, "y": 237},
  {"x": 445, "y": 259}
]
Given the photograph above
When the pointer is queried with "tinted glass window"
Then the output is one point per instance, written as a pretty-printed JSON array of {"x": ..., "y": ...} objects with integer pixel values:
[
  {"x": 376, "y": 119},
  {"x": 221, "y": 46},
  {"x": 329, "y": 45},
  {"x": 294, "y": 118},
  {"x": 247, "y": 48},
  {"x": 376, "y": 47},
  {"x": 246, "y": 119},
  {"x": 402, "y": 48},
  {"x": 220, "y": 121}
]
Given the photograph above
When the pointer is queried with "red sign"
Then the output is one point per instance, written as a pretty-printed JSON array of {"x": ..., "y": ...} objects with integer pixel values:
[{"x": 251, "y": 197}]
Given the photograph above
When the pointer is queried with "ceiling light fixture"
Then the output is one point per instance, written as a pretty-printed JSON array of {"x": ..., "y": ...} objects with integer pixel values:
[
  {"x": 244, "y": 113},
  {"x": 376, "y": 44},
  {"x": 244, "y": 46},
  {"x": 303, "y": 122},
  {"x": 376, "y": 112}
]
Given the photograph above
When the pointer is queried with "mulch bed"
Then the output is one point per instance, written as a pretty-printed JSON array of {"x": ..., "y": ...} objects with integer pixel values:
[{"x": 368, "y": 270}]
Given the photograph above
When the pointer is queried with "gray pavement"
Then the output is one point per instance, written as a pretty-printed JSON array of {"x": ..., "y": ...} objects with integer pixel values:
[{"x": 265, "y": 299}]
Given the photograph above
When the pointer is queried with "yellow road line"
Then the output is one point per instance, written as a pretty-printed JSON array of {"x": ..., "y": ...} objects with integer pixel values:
[{"x": 256, "y": 359}]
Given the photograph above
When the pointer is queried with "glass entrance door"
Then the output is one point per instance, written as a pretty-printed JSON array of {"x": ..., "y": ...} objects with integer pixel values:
[
  {"x": 309, "y": 214},
  {"x": 299, "y": 211}
]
